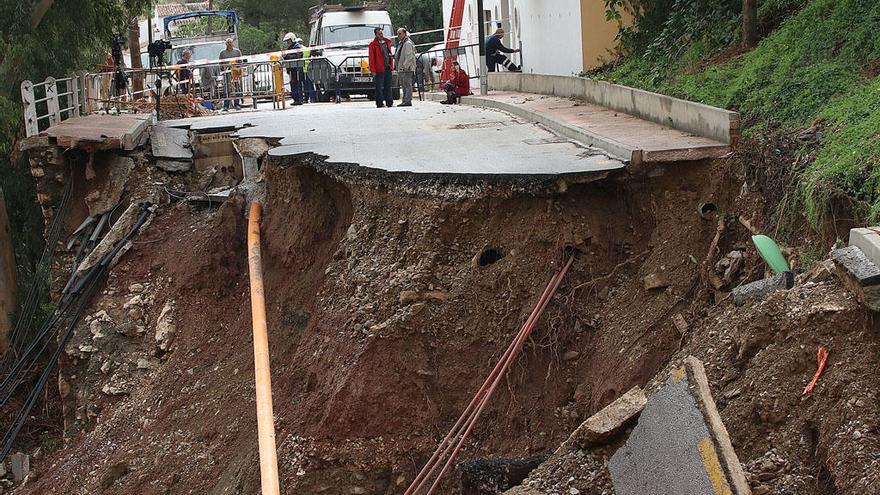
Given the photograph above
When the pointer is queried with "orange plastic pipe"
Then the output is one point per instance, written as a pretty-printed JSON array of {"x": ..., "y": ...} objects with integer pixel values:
[{"x": 265, "y": 419}]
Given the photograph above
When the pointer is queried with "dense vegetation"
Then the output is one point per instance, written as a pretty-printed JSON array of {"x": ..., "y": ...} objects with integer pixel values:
[
  {"x": 34, "y": 48},
  {"x": 817, "y": 64}
]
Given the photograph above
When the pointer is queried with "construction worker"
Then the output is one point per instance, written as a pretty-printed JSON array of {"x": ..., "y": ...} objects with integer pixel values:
[
  {"x": 309, "y": 95},
  {"x": 294, "y": 69},
  {"x": 495, "y": 51},
  {"x": 405, "y": 59},
  {"x": 382, "y": 67}
]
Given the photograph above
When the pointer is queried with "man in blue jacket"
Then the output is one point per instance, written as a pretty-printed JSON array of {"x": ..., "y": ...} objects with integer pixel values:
[{"x": 495, "y": 51}]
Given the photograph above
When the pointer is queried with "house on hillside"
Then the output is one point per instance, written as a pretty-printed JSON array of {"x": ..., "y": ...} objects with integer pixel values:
[{"x": 561, "y": 37}]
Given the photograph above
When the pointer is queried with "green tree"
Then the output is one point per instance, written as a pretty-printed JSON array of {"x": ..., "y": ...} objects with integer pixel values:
[{"x": 38, "y": 39}]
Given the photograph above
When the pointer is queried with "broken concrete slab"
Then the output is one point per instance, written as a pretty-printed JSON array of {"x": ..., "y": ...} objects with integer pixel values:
[
  {"x": 853, "y": 260},
  {"x": 859, "y": 274},
  {"x": 20, "y": 465},
  {"x": 122, "y": 227},
  {"x": 112, "y": 172},
  {"x": 680, "y": 445},
  {"x": 174, "y": 165},
  {"x": 610, "y": 420},
  {"x": 760, "y": 289},
  {"x": 170, "y": 143}
]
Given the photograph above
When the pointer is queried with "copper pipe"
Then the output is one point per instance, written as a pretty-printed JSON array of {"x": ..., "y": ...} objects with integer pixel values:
[{"x": 265, "y": 419}]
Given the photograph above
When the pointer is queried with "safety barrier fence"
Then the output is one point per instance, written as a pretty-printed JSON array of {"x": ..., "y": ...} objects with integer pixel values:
[{"x": 235, "y": 82}]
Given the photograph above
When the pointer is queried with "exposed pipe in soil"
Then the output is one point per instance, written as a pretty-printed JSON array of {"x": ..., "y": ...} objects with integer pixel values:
[
  {"x": 265, "y": 420},
  {"x": 456, "y": 437}
]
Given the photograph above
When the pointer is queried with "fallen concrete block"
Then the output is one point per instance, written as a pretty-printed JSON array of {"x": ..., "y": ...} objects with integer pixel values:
[
  {"x": 170, "y": 143},
  {"x": 113, "y": 172},
  {"x": 655, "y": 281},
  {"x": 859, "y": 274},
  {"x": 20, "y": 465},
  {"x": 610, "y": 420},
  {"x": 760, "y": 289},
  {"x": 679, "y": 446},
  {"x": 854, "y": 261}
]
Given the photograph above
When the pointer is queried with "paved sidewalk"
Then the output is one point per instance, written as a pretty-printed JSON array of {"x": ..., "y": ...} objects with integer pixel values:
[{"x": 625, "y": 136}]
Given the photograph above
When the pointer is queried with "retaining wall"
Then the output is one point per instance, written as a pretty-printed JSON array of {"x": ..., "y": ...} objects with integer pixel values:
[{"x": 703, "y": 120}]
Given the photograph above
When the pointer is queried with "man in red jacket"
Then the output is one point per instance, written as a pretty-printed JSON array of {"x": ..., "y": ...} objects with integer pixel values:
[
  {"x": 458, "y": 85},
  {"x": 382, "y": 65}
]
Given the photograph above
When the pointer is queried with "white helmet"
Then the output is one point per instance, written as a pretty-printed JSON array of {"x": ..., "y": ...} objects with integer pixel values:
[{"x": 289, "y": 37}]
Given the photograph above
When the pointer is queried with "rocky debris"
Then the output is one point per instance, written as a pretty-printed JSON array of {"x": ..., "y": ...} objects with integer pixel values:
[
  {"x": 116, "y": 169},
  {"x": 859, "y": 274},
  {"x": 730, "y": 265},
  {"x": 610, "y": 420},
  {"x": 20, "y": 465},
  {"x": 681, "y": 436},
  {"x": 760, "y": 289},
  {"x": 114, "y": 473},
  {"x": 165, "y": 327},
  {"x": 655, "y": 281},
  {"x": 490, "y": 476},
  {"x": 175, "y": 165}
]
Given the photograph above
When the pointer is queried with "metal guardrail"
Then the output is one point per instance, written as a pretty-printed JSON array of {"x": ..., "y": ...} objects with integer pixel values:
[
  {"x": 49, "y": 102},
  {"x": 226, "y": 83}
]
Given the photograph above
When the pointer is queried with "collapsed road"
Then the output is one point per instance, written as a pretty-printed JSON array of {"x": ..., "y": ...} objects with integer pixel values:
[{"x": 401, "y": 250}]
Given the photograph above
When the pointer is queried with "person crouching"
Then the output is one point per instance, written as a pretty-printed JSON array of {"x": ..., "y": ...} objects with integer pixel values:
[{"x": 458, "y": 85}]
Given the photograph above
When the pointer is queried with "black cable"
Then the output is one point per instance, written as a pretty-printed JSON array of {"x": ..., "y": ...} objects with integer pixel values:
[{"x": 80, "y": 297}]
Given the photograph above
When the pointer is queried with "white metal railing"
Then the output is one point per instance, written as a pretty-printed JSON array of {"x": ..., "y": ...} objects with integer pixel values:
[{"x": 50, "y": 102}]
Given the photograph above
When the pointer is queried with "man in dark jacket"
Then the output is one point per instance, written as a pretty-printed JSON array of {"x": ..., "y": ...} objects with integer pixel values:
[
  {"x": 295, "y": 69},
  {"x": 495, "y": 51},
  {"x": 382, "y": 67}
]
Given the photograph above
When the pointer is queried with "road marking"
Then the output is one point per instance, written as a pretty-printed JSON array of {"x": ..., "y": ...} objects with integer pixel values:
[{"x": 713, "y": 467}]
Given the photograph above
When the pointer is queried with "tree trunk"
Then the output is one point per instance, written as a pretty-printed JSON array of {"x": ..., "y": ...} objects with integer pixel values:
[
  {"x": 7, "y": 276},
  {"x": 40, "y": 9},
  {"x": 750, "y": 23},
  {"x": 134, "y": 48}
]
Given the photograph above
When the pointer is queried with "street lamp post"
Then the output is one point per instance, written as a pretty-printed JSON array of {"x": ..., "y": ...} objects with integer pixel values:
[{"x": 481, "y": 39}]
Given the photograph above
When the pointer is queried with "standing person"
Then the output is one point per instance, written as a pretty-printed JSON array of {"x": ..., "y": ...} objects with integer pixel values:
[
  {"x": 495, "y": 51},
  {"x": 183, "y": 74},
  {"x": 295, "y": 70},
  {"x": 309, "y": 94},
  {"x": 405, "y": 60},
  {"x": 230, "y": 81},
  {"x": 382, "y": 65},
  {"x": 458, "y": 85}
]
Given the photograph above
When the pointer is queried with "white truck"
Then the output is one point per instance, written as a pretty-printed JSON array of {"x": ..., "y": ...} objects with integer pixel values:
[{"x": 345, "y": 69}]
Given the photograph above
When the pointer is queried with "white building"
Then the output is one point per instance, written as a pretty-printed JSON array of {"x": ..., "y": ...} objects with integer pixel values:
[{"x": 561, "y": 37}]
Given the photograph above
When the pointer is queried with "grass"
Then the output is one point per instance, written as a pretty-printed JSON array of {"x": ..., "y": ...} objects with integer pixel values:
[{"x": 820, "y": 63}]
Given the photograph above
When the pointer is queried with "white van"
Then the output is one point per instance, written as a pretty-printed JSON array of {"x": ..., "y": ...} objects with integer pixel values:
[{"x": 348, "y": 31}]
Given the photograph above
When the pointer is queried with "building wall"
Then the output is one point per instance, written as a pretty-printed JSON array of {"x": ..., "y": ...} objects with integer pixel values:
[
  {"x": 548, "y": 31},
  {"x": 599, "y": 36}
]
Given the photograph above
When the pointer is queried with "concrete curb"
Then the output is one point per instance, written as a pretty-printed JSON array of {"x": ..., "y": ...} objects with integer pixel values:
[
  {"x": 729, "y": 460},
  {"x": 614, "y": 148},
  {"x": 703, "y": 120}
]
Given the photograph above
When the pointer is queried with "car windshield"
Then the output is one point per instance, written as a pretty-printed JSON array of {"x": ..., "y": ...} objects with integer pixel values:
[
  {"x": 352, "y": 35},
  {"x": 210, "y": 51}
]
